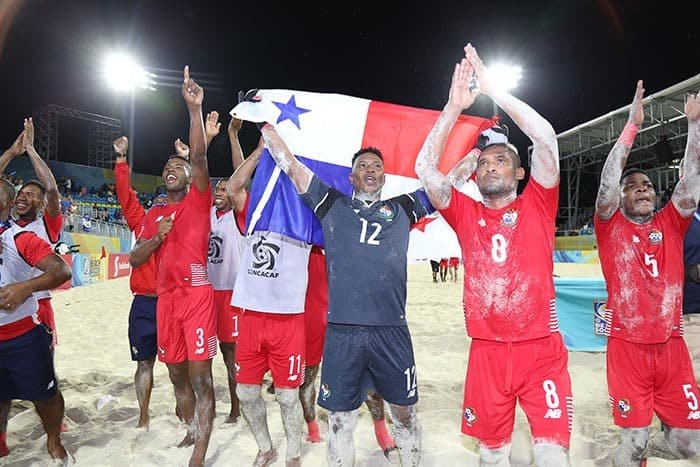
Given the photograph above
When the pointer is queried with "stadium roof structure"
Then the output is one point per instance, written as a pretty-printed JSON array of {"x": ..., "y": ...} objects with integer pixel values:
[
  {"x": 659, "y": 145},
  {"x": 102, "y": 131}
]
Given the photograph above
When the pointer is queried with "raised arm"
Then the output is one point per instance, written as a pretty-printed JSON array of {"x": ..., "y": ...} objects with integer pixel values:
[
  {"x": 608, "y": 199},
  {"x": 460, "y": 173},
  {"x": 194, "y": 96},
  {"x": 298, "y": 173},
  {"x": 126, "y": 196},
  {"x": 685, "y": 195},
  {"x": 212, "y": 126},
  {"x": 545, "y": 154},
  {"x": 437, "y": 185},
  {"x": 235, "y": 187},
  {"x": 16, "y": 149},
  {"x": 43, "y": 172},
  {"x": 234, "y": 126},
  {"x": 182, "y": 149}
]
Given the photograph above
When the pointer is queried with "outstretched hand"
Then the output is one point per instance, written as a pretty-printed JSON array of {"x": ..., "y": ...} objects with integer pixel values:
[
  {"x": 191, "y": 91},
  {"x": 19, "y": 146},
  {"x": 212, "y": 125},
  {"x": 121, "y": 147},
  {"x": 692, "y": 108},
  {"x": 181, "y": 149},
  {"x": 461, "y": 96},
  {"x": 637, "y": 108},
  {"x": 480, "y": 71},
  {"x": 28, "y": 132}
]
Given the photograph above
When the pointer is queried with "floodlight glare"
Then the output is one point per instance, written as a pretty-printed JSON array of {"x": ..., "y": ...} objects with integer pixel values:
[
  {"x": 504, "y": 77},
  {"x": 123, "y": 73}
]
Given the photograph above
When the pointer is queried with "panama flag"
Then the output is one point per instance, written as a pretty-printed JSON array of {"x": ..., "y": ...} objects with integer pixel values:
[{"x": 323, "y": 131}]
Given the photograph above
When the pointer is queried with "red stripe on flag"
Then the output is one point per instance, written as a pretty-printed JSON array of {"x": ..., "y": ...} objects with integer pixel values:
[{"x": 399, "y": 132}]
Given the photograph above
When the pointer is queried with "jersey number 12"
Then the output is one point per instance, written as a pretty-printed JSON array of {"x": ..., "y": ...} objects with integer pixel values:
[{"x": 372, "y": 240}]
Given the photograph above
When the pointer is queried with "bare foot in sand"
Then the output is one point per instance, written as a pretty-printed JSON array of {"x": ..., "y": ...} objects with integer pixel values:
[{"x": 263, "y": 459}]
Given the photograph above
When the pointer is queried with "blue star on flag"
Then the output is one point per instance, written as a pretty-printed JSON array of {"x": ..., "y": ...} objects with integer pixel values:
[{"x": 290, "y": 111}]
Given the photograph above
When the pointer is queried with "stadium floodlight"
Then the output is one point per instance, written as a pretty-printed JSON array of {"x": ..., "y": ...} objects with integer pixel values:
[
  {"x": 503, "y": 77},
  {"x": 124, "y": 74}
]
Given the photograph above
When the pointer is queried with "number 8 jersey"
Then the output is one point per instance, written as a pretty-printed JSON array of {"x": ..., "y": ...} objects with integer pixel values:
[
  {"x": 643, "y": 269},
  {"x": 508, "y": 285}
]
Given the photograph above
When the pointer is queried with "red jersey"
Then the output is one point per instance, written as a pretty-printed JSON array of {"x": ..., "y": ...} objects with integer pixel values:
[
  {"x": 643, "y": 269},
  {"x": 317, "y": 290},
  {"x": 143, "y": 278},
  {"x": 181, "y": 260},
  {"x": 507, "y": 254}
]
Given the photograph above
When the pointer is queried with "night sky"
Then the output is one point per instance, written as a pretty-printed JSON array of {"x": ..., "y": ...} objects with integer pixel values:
[{"x": 580, "y": 59}]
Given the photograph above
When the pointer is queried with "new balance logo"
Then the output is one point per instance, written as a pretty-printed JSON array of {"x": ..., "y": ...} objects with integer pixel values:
[
  {"x": 199, "y": 351},
  {"x": 553, "y": 413},
  {"x": 694, "y": 415}
]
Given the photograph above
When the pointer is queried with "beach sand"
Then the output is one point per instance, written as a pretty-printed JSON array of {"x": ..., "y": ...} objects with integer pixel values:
[{"x": 96, "y": 376}]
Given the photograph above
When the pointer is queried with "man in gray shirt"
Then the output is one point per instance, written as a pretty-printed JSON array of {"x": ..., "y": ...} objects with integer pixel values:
[{"x": 367, "y": 340}]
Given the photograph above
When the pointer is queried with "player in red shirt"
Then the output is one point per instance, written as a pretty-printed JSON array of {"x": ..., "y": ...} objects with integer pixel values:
[
  {"x": 26, "y": 360},
  {"x": 178, "y": 235},
  {"x": 35, "y": 197},
  {"x": 142, "y": 316},
  {"x": 38, "y": 208},
  {"x": 444, "y": 264},
  {"x": 507, "y": 241},
  {"x": 223, "y": 260},
  {"x": 454, "y": 267},
  {"x": 641, "y": 253}
]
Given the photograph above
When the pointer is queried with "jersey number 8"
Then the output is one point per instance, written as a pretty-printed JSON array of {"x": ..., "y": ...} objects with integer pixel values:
[{"x": 499, "y": 248}]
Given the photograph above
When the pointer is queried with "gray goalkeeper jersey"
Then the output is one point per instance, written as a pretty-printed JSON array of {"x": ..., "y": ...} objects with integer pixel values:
[{"x": 365, "y": 254}]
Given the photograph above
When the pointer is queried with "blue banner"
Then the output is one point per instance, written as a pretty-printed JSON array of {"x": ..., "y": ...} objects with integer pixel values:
[{"x": 580, "y": 309}]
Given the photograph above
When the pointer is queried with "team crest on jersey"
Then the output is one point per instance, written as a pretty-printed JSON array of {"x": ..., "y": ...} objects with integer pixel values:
[
  {"x": 624, "y": 406},
  {"x": 325, "y": 391},
  {"x": 482, "y": 223},
  {"x": 635, "y": 239},
  {"x": 470, "y": 415},
  {"x": 510, "y": 218},
  {"x": 215, "y": 246},
  {"x": 385, "y": 212},
  {"x": 264, "y": 258},
  {"x": 655, "y": 236}
]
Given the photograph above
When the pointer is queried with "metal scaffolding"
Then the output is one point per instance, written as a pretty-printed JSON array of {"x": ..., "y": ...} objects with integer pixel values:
[
  {"x": 660, "y": 142},
  {"x": 102, "y": 131}
]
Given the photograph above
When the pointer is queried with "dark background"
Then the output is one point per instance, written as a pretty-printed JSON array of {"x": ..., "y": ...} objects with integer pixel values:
[{"x": 580, "y": 59}]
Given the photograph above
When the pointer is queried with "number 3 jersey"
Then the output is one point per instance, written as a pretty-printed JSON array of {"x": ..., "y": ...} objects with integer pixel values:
[
  {"x": 508, "y": 285},
  {"x": 366, "y": 249},
  {"x": 643, "y": 269}
]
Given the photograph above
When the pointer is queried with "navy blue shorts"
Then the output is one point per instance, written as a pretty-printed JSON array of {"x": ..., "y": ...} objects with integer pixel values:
[
  {"x": 142, "y": 328},
  {"x": 358, "y": 358},
  {"x": 26, "y": 367}
]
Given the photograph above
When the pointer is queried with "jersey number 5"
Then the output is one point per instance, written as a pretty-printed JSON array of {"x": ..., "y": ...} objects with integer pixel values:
[
  {"x": 650, "y": 261},
  {"x": 372, "y": 240}
]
